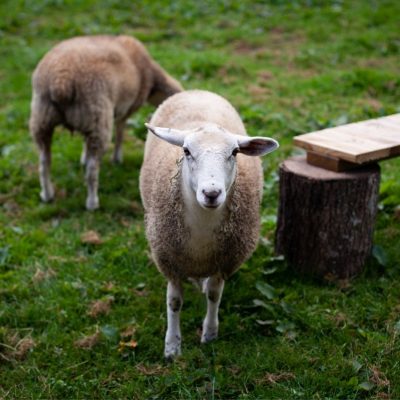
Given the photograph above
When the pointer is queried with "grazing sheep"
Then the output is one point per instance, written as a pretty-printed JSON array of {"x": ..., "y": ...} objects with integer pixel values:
[
  {"x": 85, "y": 84},
  {"x": 201, "y": 200}
]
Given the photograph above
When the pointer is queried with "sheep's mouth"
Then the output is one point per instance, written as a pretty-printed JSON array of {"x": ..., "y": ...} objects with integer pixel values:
[{"x": 211, "y": 205}]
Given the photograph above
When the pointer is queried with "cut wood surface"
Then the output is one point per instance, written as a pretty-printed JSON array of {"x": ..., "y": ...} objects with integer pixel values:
[{"x": 359, "y": 142}]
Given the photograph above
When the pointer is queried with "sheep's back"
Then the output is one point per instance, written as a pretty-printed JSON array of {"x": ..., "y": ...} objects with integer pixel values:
[{"x": 81, "y": 68}]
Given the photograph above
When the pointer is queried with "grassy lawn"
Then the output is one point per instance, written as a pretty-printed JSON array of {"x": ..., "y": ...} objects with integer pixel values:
[{"x": 87, "y": 320}]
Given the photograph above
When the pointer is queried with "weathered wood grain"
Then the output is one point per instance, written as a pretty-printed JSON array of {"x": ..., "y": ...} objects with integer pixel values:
[{"x": 360, "y": 143}]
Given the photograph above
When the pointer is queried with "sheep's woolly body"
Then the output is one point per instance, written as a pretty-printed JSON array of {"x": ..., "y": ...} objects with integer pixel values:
[
  {"x": 82, "y": 78},
  {"x": 87, "y": 84},
  {"x": 232, "y": 240}
]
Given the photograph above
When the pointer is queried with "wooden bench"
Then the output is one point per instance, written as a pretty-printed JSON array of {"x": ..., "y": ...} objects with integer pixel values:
[{"x": 328, "y": 199}]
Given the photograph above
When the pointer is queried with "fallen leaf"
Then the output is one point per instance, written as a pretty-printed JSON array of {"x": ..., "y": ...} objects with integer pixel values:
[
  {"x": 100, "y": 307},
  {"x": 130, "y": 345},
  {"x": 91, "y": 237},
  {"x": 383, "y": 396},
  {"x": 42, "y": 275},
  {"x": 128, "y": 332},
  {"x": 61, "y": 194},
  {"x": 272, "y": 379},
  {"x": 124, "y": 222},
  {"x": 234, "y": 370},
  {"x": 12, "y": 207},
  {"x": 57, "y": 258},
  {"x": 265, "y": 76},
  {"x": 329, "y": 277},
  {"x": 340, "y": 319},
  {"x": 88, "y": 342},
  {"x": 109, "y": 286},
  {"x": 140, "y": 293},
  {"x": 16, "y": 348},
  {"x": 136, "y": 207},
  {"x": 344, "y": 284},
  {"x": 23, "y": 347},
  {"x": 152, "y": 370},
  {"x": 378, "y": 377}
]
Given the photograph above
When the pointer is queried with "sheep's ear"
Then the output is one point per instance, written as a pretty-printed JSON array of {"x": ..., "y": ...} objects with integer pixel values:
[
  {"x": 173, "y": 136},
  {"x": 256, "y": 146}
]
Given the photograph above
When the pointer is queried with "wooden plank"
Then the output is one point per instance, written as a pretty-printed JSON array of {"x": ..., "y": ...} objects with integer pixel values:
[
  {"x": 359, "y": 142},
  {"x": 329, "y": 163}
]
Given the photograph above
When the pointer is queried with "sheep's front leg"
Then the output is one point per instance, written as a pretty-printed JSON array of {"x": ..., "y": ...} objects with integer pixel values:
[
  {"x": 213, "y": 288},
  {"x": 174, "y": 306},
  {"x": 119, "y": 136}
]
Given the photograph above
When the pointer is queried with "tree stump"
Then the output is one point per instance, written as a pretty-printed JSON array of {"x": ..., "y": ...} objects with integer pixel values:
[{"x": 325, "y": 218}]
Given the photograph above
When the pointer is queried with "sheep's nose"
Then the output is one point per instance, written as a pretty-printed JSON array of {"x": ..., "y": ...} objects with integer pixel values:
[{"x": 211, "y": 195}]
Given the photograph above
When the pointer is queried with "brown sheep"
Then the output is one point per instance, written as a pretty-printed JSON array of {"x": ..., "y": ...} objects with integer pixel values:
[{"x": 87, "y": 84}]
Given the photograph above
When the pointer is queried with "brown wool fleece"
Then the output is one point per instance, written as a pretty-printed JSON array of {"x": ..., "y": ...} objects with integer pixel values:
[{"x": 86, "y": 83}]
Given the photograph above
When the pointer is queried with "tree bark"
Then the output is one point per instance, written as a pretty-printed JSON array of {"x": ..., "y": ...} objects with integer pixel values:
[{"x": 326, "y": 219}]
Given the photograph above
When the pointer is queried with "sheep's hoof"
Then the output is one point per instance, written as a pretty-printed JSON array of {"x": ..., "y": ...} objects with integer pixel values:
[
  {"x": 209, "y": 334},
  {"x": 172, "y": 350},
  {"x": 92, "y": 204},
  {"x": 47, "y": 195}
]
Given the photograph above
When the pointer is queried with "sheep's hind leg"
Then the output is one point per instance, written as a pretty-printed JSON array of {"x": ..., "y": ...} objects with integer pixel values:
[
  {"x": 174, "y": 306},
  {"x": 47, "y": 189},
  {"x": 119, "y": 136},
  {"x": 83, "y": 159},
  {"x": 213, "y": 288},
  {"x": 94, "y": 152},
  {"x": 41, "y": 124}
]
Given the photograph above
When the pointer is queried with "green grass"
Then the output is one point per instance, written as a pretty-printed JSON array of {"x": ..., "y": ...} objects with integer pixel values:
[{"x": 289, "y": 67}]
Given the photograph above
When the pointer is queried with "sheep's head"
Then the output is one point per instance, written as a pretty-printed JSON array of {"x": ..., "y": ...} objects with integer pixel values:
[{"x": 209, "y": 164}]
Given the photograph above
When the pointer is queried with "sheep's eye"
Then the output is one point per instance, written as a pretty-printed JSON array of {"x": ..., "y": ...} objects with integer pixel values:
[
  {"x": 186, "y": 151},
  {"x": 235, "y": 151}
]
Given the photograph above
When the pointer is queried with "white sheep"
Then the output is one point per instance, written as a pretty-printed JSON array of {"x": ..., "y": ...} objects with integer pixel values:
[
  {"x": 87, "y": 84},
  {"x": 201, "y": 199}
]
